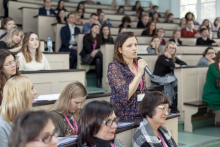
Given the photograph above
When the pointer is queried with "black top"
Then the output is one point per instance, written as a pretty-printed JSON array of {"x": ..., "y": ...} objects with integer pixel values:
[
  {"x": 3, "y": 45},
  {"x": 141, "y": 25},
  {"x": 122, "y": 26},
  {"x": 88, "y": 46},
  {"x": 98, "y": 143},
  {"x": 163, "y": 65},
  {"x": 103, "y": 40},
  {"x": 200, "y": 41},
  {"x": 179, "y": 41},
  {"x": 144, "y": 33}
]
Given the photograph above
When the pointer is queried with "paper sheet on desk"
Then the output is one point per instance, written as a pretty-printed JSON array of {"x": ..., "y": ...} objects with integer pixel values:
[
  {"x": 48, "y": 97},
  {"x": 66, "y": 140},
  {"x": 124, "y": 124}
]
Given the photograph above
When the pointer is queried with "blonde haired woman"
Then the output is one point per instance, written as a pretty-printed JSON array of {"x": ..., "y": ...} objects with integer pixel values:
[
  {"x": 13, "y": 40},
  {"x": 16, "y": 99},
  {"x": 31, "y": 57},
  {"x": 114, "y": 5},
  {"x": 67, "y": 107},
  {"x": 163, "y": 76}
]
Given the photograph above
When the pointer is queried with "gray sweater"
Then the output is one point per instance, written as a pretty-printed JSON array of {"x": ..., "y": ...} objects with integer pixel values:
[
  {"x": 203, "y": 61},
  {"x": 5, "y": 130},
  {"x": 151, "y": 50}
]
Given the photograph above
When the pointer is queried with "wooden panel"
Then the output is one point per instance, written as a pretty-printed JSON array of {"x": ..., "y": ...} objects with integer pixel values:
[{"x": 58, "y": 61}]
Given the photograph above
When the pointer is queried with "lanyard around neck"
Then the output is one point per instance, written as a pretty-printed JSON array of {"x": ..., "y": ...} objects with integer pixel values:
[
  {"x": 94, "y": 44},
  {"x": 141, "y": 82},
  {"x": 71, "y": 125},
  {"x": 161, "y": 139},
  {"x": 112, "y": 145}
]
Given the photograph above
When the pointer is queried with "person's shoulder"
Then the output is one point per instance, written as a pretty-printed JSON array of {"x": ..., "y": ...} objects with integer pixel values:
[
  {"x": 212, "y": 65},
  {"x": 56, "y": 114},
  {"x": 3, "y": 123},
  {"x": 41, "y": 8},
  {"x": 86, "y": 24},
  {"x": 20, "y": 54},
  {"x": 118, "y": 143},
  {"x": 183, "y": 29}
]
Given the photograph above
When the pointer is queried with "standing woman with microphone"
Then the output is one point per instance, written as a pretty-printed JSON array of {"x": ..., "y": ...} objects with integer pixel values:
[{"x": 126, "y": 76}]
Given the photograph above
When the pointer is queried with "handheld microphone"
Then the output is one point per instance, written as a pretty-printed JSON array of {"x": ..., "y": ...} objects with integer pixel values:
[{"x": 147, "y": 69}]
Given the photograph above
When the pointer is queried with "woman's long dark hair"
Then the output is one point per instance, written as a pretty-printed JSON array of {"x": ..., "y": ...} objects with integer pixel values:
[
  {"x": 80, "y": 8},
  {"x": 154, "y": 33},
  {"x": 218, "y": 33},
  {"x": 135, "y": 7},
  {"x": 58, "y": 6},
  {"x": 27, "y": 126},
  {"x": 91, "y": 119},
  {"x": 89, "y": 36},
  {"x": 217, "y": 59},
  {"x": 109, "y": 35},
  {"x": 58, "y": 17},
  {"x": 157, "y": 20}
]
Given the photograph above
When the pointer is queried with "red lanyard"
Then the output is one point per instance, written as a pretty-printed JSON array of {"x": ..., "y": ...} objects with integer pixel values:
[
  {"x": 94, "y": 44},
  {"x": 71, "y": 125},
  {"x": 161, "y": 139},
  {"x": 141, "y": 82},
  {"x": 112, "y": 145}
]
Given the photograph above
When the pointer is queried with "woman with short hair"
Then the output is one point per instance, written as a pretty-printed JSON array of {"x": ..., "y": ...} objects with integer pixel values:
[
  {"x": 154, "y": 109},
  {"x": 125, "y": 22},
  {"x": 208, "y": 57},
  {"x": 67, "y": 107},
  {"x": 8, "y": 23}
]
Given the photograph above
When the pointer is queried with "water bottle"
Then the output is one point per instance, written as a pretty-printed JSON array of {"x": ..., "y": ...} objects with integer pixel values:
[
  {"x": 210, "y": 30},
  {"x": 49, "y": 45}
]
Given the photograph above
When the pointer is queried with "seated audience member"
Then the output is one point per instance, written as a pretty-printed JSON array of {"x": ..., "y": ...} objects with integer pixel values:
[
  {"x": 105, "y": 34},
  {"x": 169, "y": 18},
  {"x": 190, "y": 16},
  {"x": 68, "y": 40},
  {"x": 151, "y": 7},
  {"x": 188, "y": 31},
  {"x": 136, "y": 6},
  {"x": 208, "y": 24},
  {"x": 204, "y": 40},
  {"x": 216, "y": 24},
  {"x": 114, "y": 5},
  {"x": 89, "y": 2},
  {"x": 127, "y": 3},
  {"x": 163, "y": 76},
  {"x": 81, "y": 9},
  {"x": 81, "y": 13},
  {"x": 67, "y": 107},
  {"x": 121, "y": 30},
  {"x": 166, "y": 14},
  {"x": 211, "y": 90},
  {"x": 160, "y": 34},
  {"x": 150, "y": 30},
  {"x": 120, "y": 11},
  {"x": 46, "y": 10},
  {"x": 8, "y": 23},
  {"x": 102, "y": 20},
  {"x": 182, "y": 24},
  {"x": 93, "y": 20},
  {"x": 155, "y": 46},
  {"x": 31, "y": 57},
  {"x": 208, "y": 57},
  {"x": 61, "y": 17},
  {"x": 217, "y": 35},
  {"x": 98, "y": 11},
  {"x": 139, "y": 10},
  {"x": 155, "y": 8},
  {"x": 33, "y": 129},
  {"x": 8, "y": 67},
  {"x": 18, "y": 96},
  {"x": 154, "y": 108},
  {"x": 78, "y": 19},
  {"x": 144, "y": 21},
  {"x": 176, "y": 37},
  {"x": 155, "y": 17},
  {"x": 125, "y": 22},
  {"x": 97, "y": 119},
  {"x": 60, "y": 6},
  {"x": 13, "y": 40},
  {"x": 140, "y": 13},
  {"x": 91, "y": 53}
]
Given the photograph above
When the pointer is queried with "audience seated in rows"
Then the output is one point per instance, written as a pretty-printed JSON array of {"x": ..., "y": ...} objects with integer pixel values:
[
  {"x": 102, "y": 20},
  {"x": 211, "y": 90},
  {"x": 66, "y": 109},
  {"x": 189, "y": 30},
  {"x": 150, "y": 30},
  {"x": 120, "y": 11},
  {"x": 182, "y": 24},
  {"x": 190, "y": 16},
  {"x": 8, "y": 23},
  {"x": 46, "y": 10},
  {"x": 136, "y": 6},
  {"x": 13, "y": 40},
  {"x": 91, "y": 54},
  {"x": 155, "y": 17},
  {"x": 16, "y": 99},
  {"x": 176, "y": 37},
  {"x": 81, "y": 9},
  {"x": 125, "y": 22},
  {"x": 154, "y": 109},
  {"x": 127, "y": 3},
  {"x": 93, "y": 20},
  {"x": 163, "y": 76},
  {"x": 105, "y": 34},
  {"x": 68, "y": 40},
  {"x": 61, "y": 16},
  {"x": 34, "y": 128},
  {"x": 31, "y": 58},
  {"x": 208, "y": 57},
  {"x": 169, "y": 18},
  {"x": 160, "y": 34},
  {"x": 143, "y": 22},
  {"x": 60, "y": 6},
  {"x": 208, "y": 25},
  {"x": 78, "y": 19},
  {"x": 122, "y": 29},
  {"x": 155, "y": 8},
  {"x": 167, "y": 12},
  {"x": 155, "y": 46},
  {"x": 204, "y": 40},
  {"x": 140, "y": 13},
  {"x": 114, "y": 5}
]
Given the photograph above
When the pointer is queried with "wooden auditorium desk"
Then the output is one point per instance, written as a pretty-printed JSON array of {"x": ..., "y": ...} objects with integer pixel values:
[{"x": 54, "y": 81}]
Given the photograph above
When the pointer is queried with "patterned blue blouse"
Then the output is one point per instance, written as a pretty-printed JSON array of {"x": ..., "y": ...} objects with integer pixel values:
[{"x": 119, "y": 78}]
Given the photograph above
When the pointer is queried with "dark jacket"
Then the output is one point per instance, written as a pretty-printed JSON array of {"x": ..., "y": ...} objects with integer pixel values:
[
  {"x": 103, "y": 40},
  {"x": 3, "y": 45},
  {"x": 65, "y": 36},
  {"x": 87, "y": 46},
  {"x": 179, "y": 41},
  {"x": 141, "y": 25},
  {"x": 122, "y": 26},
  {"x": 42, "y": 11}
]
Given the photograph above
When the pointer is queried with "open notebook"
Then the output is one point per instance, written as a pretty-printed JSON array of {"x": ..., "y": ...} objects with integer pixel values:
[
  {"x": 48, "y": 97},
  {"x": 66, "y": 140}
]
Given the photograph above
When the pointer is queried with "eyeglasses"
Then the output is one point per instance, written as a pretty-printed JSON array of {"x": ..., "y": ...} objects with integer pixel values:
[
  {"x": 171, "y": 48},
  {"x": 211, "y": 53},
  {"x": 164, "y": 109},
  {"x": 48, "y": 138},
  {"x": 110, "y": 122},
  {"x": 11, "y": 63}
]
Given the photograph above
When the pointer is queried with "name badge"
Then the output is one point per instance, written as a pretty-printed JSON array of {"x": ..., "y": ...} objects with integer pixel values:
[{"x": 140, "y": 97}]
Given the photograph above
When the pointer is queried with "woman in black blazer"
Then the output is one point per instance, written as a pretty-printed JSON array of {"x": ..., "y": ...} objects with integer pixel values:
[
  {"x": 91, "y": 49},
  {"x": 176, "y": 37}
]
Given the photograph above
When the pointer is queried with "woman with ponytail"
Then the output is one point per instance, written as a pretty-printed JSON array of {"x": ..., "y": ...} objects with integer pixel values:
[{"x": 211, "y": 91}]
